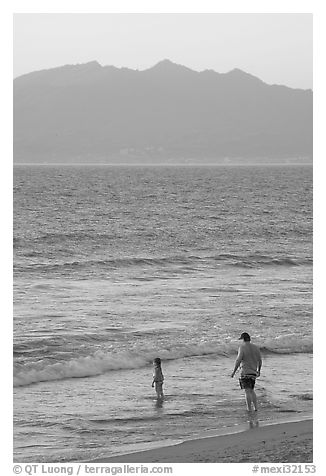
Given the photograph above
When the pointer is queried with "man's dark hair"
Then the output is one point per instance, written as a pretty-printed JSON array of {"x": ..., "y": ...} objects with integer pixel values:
[{"x": 245, "y": 336}]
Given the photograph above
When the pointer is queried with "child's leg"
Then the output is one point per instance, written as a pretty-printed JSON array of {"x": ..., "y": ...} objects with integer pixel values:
[{"x": 159, "y": 389}]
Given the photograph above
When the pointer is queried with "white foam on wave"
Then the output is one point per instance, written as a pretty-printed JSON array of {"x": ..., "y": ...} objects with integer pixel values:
[
  {"x": 101, "y": 362},
  {"x": 288, "y": 344}
]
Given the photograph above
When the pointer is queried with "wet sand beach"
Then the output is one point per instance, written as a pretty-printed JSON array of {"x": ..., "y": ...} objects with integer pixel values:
[{"x": 290, "y": 442}]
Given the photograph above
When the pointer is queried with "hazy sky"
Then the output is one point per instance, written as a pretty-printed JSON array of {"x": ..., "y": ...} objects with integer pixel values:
[{"x": 275, "y": 47}]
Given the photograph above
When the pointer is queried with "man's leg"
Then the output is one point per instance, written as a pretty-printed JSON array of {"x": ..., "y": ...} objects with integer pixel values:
[
  {"x": 254, "y": 399},
  {"x": 248, "y": 398}
]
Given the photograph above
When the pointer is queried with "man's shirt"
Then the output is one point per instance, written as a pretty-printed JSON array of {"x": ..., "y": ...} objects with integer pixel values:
[{"x": 249, "y": 357}]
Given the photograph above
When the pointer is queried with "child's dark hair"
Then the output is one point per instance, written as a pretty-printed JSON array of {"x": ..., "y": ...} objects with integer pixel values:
[{"x": 157, "y": 361}]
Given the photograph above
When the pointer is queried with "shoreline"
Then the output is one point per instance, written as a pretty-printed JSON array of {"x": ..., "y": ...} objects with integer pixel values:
[{"x": 276, "y": 442}]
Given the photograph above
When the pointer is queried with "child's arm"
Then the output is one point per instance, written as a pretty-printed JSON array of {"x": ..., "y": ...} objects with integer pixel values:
[{"x": 154, "y": 378}]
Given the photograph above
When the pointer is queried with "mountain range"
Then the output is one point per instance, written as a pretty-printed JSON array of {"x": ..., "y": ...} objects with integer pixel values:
[{"x": 88, "y": 113}]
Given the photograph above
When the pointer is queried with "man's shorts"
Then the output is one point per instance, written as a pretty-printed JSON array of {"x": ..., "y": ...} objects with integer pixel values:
[{"x": 247, "y": 381}]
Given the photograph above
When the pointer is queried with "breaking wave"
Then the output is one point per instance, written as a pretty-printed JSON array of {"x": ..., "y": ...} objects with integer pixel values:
[{"x": 101, "y": 362}]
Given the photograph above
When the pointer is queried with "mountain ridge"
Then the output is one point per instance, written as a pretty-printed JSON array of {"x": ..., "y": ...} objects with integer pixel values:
[
  {"x": 90, "y": 112},
  {"x": 95, "y": 65}
]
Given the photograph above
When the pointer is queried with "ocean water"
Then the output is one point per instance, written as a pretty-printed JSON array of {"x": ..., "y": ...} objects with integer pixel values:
[{"x": 114, "y": 266}]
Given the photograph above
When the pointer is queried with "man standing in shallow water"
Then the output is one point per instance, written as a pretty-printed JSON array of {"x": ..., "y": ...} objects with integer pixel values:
[{"x": 250, "y": 362}]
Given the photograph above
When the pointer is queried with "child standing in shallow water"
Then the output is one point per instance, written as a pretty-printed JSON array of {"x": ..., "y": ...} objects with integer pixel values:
[{"x": 158, "y": 377}]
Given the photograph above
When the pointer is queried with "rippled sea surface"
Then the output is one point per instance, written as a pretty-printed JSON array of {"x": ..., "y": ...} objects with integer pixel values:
[{"x": 114, "y": 266}]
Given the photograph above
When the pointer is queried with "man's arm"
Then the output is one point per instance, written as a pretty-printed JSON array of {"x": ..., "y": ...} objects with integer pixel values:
[
  {"x": 237, "y": 362},
  {"x": 260, "y": 363}
]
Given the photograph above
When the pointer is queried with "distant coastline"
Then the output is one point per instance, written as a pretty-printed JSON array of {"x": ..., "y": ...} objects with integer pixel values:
[
  {"x": 167, "y": 113},
  {"x": 163, "y": 164}
]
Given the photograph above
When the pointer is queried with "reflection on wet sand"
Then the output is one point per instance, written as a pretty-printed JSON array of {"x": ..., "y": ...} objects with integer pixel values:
[{"x": 253, "y": 420}]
